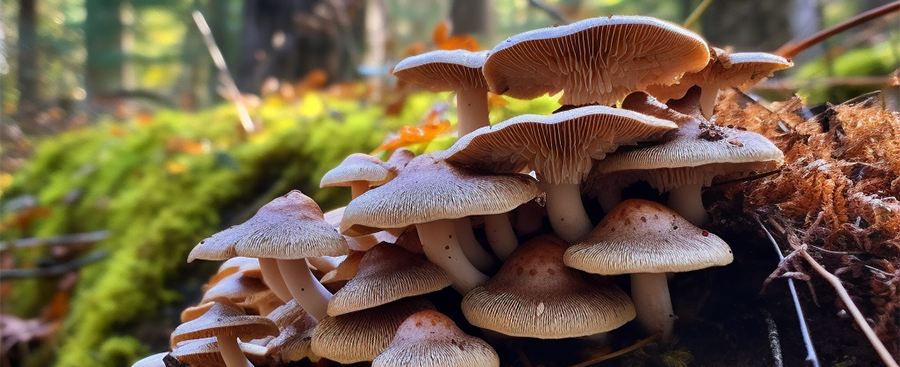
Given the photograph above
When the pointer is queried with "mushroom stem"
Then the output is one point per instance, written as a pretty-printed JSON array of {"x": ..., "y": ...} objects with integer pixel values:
[
  {"x": 567, "y": 215},
  {"x": 231, "y": 352},
  {"x": 477, "y": 255},
  {"x": 440, "y": 244},
  {"x": 305, "y": 289},
  {"x": 650, "y": 293},
  {"x": 500, "y": 235},
  {"x": 687, "y": 201},
  {"x": 472, "y": 108},
  {"x": 358, "y": 188},
  {"x": 708, "y": 96},
  {"x": 609, "y": 198},
  {"x": 272, "y": 278}
]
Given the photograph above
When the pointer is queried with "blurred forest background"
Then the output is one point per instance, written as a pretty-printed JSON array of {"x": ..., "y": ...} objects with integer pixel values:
[{"x": 120, "y": 150}]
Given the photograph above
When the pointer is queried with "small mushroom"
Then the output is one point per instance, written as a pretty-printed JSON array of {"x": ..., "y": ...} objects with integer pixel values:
[
  {"x": 431, "y": 339},
  {"x": 359, "y": 172},
  {"x": 227, "y": 322}
]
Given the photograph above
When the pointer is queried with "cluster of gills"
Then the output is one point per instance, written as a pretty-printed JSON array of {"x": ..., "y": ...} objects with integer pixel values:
[{"x": 498, "y": 216}]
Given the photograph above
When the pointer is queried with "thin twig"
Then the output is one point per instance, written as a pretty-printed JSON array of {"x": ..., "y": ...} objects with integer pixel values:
[
  {"x": 811, "y": 355},
  {"x": 695, "y": 15},
  {"x": 64, "y": 240},
  {"x": 851, "y": 306},
  {"x": 774, "y": 339},
  {"x": 791, "y": 49},
  {"x": 219, "y": 60},
  {"x": 621, "y": 352},
  {"x": 54, "y": 270},
  {"x": 553, "y": 13}
]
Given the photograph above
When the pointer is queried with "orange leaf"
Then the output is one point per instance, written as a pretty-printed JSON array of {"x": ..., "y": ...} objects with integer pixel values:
[
  {"x": 432, "y": 126},
  {"x": 441, "y": 32}
]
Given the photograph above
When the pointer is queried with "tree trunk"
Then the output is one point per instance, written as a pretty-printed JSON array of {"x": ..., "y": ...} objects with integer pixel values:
[
  {"x": 471, "y": 17},
  {"x": 27, "y": 66},
  {"x": 103, "y": 39},
  {"x": 748, "y": 25}
]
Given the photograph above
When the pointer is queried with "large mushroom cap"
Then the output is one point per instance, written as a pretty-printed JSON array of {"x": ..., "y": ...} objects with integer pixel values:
[
  {"x": 430, "y": 339},
  {"x": 535, "y": 295},
  {"x": 594, "y": 61},
  {"x": 640, "y": 236},
  {"x": 429, "y": 189},
  {"x": 560, "y": 147},
  {"x": 289, "y": 227},
  {"x": 444, "y": 70}
]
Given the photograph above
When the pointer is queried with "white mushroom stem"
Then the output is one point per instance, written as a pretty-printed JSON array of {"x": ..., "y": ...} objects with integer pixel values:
[
  {"x": 477, "y": 255},
  {"x": 272, "y": 278},
  {"x": 650, "y": 294},
  {"x": 609, "y": 198},
  {"x": 708, "y": 96},
  {"x": 441, "y": 247},
  {"x": 687, "y": 201},
  {"x": 231, "y": 352},
  {"x": 472, "y": 107},
  {"x": 567, "y": 216},
  {"x": 358, "y": 188},
  {"x": 500, "y": 235},
  {"x": 305, "y": 289}
]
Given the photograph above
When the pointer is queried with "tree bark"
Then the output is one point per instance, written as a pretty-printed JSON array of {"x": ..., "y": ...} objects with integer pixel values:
[
  {"x": 103, "y": 42},
  {"x": 748, "y": 25},
  {"x": 471, "y": 17},
  {"x": 27, "y": 76}
]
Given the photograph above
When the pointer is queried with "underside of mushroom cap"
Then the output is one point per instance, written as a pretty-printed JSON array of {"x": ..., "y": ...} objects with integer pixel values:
[
  {"x": 560, "y": 148},
  {"x": 641, "y": 236},
  {"x": 594, "y": 61},
  {"x": 444, "y": 70}
]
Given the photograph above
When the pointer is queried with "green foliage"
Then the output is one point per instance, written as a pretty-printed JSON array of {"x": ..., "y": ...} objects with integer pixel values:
[{"x": 878, "y": 60}]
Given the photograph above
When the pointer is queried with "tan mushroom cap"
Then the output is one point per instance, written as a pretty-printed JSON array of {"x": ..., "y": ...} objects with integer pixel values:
[
  {"x": 205, "y": 352},
  {"x": 560, "y": 148},
  {"x": 358, "y": 167},
  {"x": 594, "y": 61},
  {"x": 695, "y": 154},
  {"x": 361, "y": 336},
  {"x": 430, "y": 339},
  {"x": 640, "y": 236},
  {"x": 387, "y": 273},
  {"x": 225, "y": 319},
  {"x": 535, "y": 295},
  {"x": 295, "y": 332},
  {"x": 444, "y": 70},
  {"x": 289, "y": 227},
  {"x": 429, "y": 189},
  {"x": 345, "y": 271}
]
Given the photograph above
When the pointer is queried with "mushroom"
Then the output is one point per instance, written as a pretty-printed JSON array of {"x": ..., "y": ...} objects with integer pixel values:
[
  {"x": 387, "y": 273},
  {"x": 647, "y": 240},
  {"x": 431, "y": 339},
  {"x": 227, "y": 322},
  {"x": 155, "y": 360},
  {"x": 560, "y": 148},
  {"x": 594, "y": 61},
  {"x": 431, "y": 194},
  {"x": 723, "y": 71},
  {"x": 692, "y": 157},
  {"x": 295, "y": 332},
  {"x": 281, "y": 234},
  {"x": 205, "y": 352},
  {"x": 359, "y": 171},
  {"x": 535, "y": 295},
  {"x": 452, "y": 70}
]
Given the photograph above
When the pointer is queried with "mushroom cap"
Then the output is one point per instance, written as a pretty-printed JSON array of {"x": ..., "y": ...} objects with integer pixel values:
[
  {"x": 225, "y": 319},
  {"x": 430, "y": 339},
  {"x": 535, "y": 295},
  {"x": 387, "y": 273},
  {"x": 560, "y": 148},
  {"x": 695, "y": 154},
  {"x": 363, "y": 335},
  {"x": 429, "y": 189},
  {"x": 358, "y": 167},
  {"x": 290, "y": 227},
  {"x": 742, "y": 69},
  {"x": 594, "y": 61},
  {"x": 444, "y": 70},
  {"x": 295, "y": 332},
  {"x": 155, "y": 360},
  {"x": 641, "y": 236}
]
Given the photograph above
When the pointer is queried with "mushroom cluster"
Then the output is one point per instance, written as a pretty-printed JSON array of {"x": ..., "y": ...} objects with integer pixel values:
[{"x": 499, "y": 216}]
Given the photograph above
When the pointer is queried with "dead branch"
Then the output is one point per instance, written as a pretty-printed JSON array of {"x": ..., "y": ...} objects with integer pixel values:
[
  {"x": 64, "y": 240},
  {"x": 54, "y": 270},
  {"x": 553, "y": 13}
]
